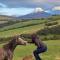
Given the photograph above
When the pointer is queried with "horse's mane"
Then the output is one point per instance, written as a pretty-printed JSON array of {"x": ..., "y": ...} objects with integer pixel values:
[{"x": 11, "y": 42}]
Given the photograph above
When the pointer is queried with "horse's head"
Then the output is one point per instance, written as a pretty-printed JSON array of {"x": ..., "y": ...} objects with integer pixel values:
[{"x": 20, "y": 41}]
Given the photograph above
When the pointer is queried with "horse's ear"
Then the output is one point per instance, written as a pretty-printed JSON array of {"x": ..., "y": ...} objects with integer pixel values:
[{"x": 17, "y": 37}]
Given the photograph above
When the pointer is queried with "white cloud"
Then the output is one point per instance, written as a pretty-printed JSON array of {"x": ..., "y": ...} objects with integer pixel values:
[
  {"x": 39, "y": 1},
  {"x": 48, "y": 11},
  {"x": 38, "y": 9},
  {"x": 56, "y": 8},
  {"x": 30, "y": 3},
  {"x": 15, "y": 11},
  {"x": 3, "y": 5}
]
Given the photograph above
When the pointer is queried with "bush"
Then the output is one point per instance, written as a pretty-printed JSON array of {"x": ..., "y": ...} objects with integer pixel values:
[
  {"x": 52, "y": 30},
  {"x": 51, "y": 23},
  {"x": 3, "y": 40}
]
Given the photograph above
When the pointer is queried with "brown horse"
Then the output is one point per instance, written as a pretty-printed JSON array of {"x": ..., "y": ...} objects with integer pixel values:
[{"x": 6, "y": 52}]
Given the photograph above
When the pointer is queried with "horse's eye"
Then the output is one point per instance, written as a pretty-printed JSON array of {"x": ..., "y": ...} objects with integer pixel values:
[{"x": 19, "y": 38}]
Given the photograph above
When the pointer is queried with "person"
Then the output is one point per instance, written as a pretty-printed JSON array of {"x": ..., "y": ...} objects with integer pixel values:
[{"x": 41, "y": 47}]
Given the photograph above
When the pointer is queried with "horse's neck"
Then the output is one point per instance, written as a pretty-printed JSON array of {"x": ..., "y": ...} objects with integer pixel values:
[{"x": 11, "y": 45}]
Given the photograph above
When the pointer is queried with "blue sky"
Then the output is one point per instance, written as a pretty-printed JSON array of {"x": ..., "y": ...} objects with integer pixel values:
[
  {"x": 15, "y": 11},
  {"x": 22, "y": 7}
]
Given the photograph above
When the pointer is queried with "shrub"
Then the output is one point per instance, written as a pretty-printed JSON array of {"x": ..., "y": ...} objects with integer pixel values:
[{"x": 51, "y": 23}]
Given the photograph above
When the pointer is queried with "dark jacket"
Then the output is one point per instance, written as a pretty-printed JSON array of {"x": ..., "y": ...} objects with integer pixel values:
[{"x": 38, "y": 42}]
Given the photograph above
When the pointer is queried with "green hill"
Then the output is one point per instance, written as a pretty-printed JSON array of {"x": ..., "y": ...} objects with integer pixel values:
[
  {"x": 51, "y": 24},
  {"x": 22, "y": 27},
  {"x": 4, "y": 18}
]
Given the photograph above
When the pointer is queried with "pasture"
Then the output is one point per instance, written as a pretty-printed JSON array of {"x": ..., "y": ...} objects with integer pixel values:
[
  {"x": 24, "y": 27},
  {"x": 53, "y": 52}
]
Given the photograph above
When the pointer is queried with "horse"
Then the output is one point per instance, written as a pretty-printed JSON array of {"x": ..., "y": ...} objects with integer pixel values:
[{"x": 6, "y": 52}]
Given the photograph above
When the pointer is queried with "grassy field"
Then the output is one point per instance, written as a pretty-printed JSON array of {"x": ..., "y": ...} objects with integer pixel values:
[
  {"x": 22, "y": 27},
  {"x": 53, "y": 52}
]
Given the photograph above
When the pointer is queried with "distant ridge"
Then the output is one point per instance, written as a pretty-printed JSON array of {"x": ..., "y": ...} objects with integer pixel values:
[
  {"x": 35, "y": 15},
  {"x": 5, "y": 17}
]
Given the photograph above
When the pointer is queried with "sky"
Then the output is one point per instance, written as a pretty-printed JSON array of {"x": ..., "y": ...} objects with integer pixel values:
[{"x": 22, "y": 7}]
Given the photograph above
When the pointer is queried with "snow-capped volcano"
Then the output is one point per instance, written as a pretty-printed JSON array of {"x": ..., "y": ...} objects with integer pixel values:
[{"x": 36, "y": 14}]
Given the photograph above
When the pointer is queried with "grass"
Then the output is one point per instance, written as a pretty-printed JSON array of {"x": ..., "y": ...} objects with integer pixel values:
[
  {"x": 53, "y": 52},
  {"x": 22, "y": 24},
  {"x": 20, "y": 30},
  {"x": 31, "y": 26},
  {"x": 26, "y": 29}
]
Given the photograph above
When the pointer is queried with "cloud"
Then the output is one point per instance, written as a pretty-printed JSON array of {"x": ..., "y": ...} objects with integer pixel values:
[
  {"x": 39, "y": 1},
  {"x": 54, "y": 0},
  {"x": 3, "y": 5},
  {"x": 31, "y": 3},
  {"x": 15, "y": 5},
  {"x": 56, "y": 8},
  {"x": 15, "y": 11},
  {"x": 38, "y": 9}
]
